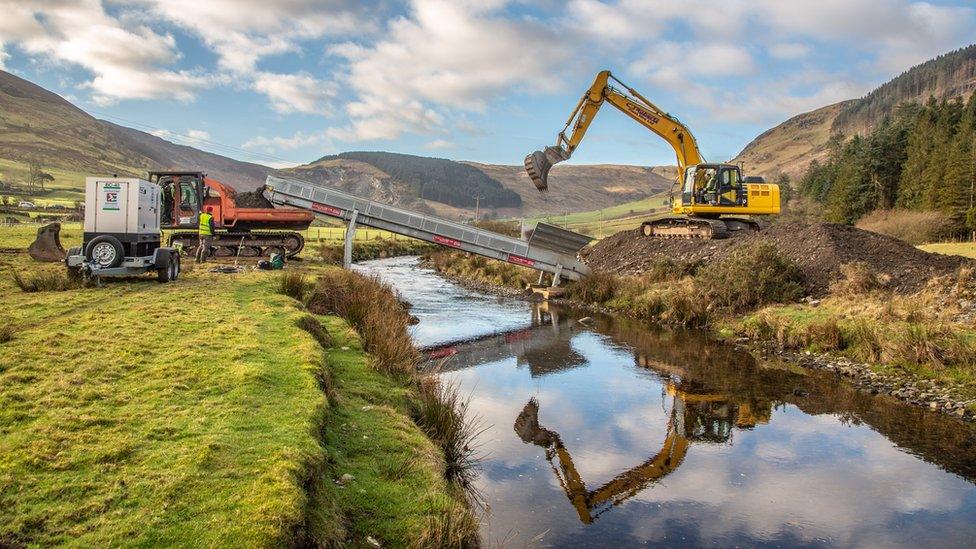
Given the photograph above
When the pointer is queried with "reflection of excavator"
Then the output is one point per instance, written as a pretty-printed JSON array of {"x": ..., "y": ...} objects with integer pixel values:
[
  {"x": 707, "y": 191},
  {"x": 693, "y": 418}
]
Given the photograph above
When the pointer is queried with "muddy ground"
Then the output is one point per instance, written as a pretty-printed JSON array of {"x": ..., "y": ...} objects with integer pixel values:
[{"x": 819, "y": 249}]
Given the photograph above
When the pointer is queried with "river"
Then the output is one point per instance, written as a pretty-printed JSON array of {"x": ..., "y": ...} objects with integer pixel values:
[{"x": 615, "y": 434}]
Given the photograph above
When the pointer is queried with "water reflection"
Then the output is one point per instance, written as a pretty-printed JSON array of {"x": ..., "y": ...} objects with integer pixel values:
[
  {"x": 744, "y": 440},
  {"x": 611, "y": 434}
]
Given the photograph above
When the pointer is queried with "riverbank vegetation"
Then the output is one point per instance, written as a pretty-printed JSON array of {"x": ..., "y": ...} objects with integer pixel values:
[
  {"x": 758, "y": 294},
  {"x": 372, "y": 249},
  {"x": 212, "y": 411}
]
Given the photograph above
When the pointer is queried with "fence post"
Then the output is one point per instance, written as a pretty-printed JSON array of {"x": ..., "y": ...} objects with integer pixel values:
[{"x": 350, "y": 236}]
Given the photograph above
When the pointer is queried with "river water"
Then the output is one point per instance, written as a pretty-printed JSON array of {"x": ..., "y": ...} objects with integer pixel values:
[{"x": 614, "y": 434}]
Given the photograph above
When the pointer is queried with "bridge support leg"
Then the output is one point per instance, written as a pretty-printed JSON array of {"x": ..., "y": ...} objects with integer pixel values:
[
  {"x": 350, "y": 234},
  {"x": 541, "y": 274},
  {"x": 555, "y": 276}
]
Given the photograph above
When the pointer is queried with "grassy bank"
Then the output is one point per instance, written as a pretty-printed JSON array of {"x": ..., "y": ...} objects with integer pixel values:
[
  {"x": 480, "y": 270},
  {"x": 927, "y": 336},
  {"x": 207, "y": 412}
]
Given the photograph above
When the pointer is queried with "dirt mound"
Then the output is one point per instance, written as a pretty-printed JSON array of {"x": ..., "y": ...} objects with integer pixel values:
[
  {"x": 252, "y": 200},
  {"x": 819, "y": 249}
]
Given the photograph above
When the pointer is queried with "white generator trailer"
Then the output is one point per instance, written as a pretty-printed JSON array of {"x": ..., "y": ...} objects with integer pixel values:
[{"x": 121, "y": 233}]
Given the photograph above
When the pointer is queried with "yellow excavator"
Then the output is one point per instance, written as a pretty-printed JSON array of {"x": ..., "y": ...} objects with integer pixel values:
[{"x": 705, "y": 198}]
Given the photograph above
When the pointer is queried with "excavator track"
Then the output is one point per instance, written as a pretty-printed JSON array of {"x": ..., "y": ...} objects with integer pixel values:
[
  {"x": 246, "y": 244},
  {"x": 686, "y": 227}
]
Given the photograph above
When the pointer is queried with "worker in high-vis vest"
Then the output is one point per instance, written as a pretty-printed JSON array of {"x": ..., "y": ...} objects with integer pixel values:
[{"x": 206, "y": 234}]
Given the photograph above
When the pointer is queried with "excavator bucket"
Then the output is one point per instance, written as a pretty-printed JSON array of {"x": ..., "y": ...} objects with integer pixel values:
[
  {"x": 47, "y": 246},
  {"x": 538, "y": 164}
]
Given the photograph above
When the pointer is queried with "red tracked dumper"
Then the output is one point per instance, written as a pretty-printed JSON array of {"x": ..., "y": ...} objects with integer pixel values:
[{"x": 251, "y": 232}]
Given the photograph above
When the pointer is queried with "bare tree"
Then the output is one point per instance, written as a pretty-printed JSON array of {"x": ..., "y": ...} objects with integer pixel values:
[{"x": 36, "y": 176}]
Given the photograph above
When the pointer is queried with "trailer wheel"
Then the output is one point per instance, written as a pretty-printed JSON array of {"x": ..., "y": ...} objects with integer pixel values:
[
  {"x": 165, "y": 274},
  {"x": 105, "y": 251},
  {"x": 174, "y": 262}
]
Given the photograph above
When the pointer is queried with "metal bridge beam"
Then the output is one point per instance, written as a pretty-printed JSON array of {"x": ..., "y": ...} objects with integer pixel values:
[{"x": 362, "y": 211}]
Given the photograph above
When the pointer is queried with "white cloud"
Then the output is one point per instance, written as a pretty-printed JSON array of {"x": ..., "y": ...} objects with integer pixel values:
[
  {"x": 242, "y": 32},
  {"x": 788, "y": 50},
  {"x": 126, "y": 61},
  {"x": 296, "y": 93},
  {"x": 438, "y": 144},
  {"x": 444, "y": 56},
  {"x": 295, "y": 141},
  {"x": 279, "y": 165},
  {"x": 198, "y": 135}
]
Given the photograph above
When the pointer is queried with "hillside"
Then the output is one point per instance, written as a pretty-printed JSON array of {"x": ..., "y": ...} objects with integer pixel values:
[
  {"x": 69, "y": 143},
  {"x": 574, "y": 188},
  {"x": 438, "y": 179},
  {"x": 167, "y": 155},
  {"x": 792, "y": 145}
]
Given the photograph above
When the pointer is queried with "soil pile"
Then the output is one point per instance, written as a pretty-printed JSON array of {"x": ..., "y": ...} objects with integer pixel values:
[
  {"x": 819, "y": 249},
  {"x": 252, "y": 199}
]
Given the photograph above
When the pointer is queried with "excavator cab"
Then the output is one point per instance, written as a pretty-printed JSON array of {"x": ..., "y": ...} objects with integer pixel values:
[
  {"x": 714, "y": 185},
  {"x": 183, "y": 195}
]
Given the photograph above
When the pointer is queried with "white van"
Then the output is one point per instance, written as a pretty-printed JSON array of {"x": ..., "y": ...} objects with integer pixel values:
[{"x": 26, "y": 204}]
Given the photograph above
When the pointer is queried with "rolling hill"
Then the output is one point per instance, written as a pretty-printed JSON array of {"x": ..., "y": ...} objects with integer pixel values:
[
  {"x": 574, "y": 188},
  {"x": 790, "y": 146},
  {"x": 70, "y": 144}
]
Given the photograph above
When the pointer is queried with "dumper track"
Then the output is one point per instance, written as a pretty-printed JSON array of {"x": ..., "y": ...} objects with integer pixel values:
[{"x": 245, "y": 244}]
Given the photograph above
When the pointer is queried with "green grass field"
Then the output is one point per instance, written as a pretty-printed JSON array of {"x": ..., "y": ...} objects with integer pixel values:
[
  {"x": 194, "y": 414},
  {"x": 966, "y": 249},
  {"x": 67, "y": 187},
  {"x": 628, "y": 209}
]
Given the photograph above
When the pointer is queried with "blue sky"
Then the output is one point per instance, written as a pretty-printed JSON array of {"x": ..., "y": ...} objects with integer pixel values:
[{"x": 287, "y": 81}]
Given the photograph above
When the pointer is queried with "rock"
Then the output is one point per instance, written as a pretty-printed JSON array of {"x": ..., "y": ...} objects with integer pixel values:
[
  {"x": 933, "y": 405},
  {"x": 346, "y": 478},
  {"x": 372, "y": 542}
]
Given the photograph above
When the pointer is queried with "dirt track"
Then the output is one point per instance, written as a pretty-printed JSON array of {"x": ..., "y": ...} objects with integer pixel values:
[{"x": 819, "y": 249}]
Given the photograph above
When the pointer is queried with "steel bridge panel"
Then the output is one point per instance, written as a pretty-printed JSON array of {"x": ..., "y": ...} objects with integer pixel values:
[{"x": 338, "y": 204}]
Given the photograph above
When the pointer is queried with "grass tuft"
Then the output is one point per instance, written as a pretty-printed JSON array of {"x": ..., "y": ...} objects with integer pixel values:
[
  {"x": 311, "y": 325},
  {"x": 374, "y": 311},
  {"x": 46, "y": 281},
  {"x": 599, "y": 287},
  {"x": 858, "y": 279},
  {"x": 444, "y": 415},
  {"x": 294, "y": 285},
  {"x": 6, "y": 333}
]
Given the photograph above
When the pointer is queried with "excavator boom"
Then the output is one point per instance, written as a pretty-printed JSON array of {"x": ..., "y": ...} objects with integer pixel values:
[
  {"x": 701, "y": 194},
  {"x": 633, "y": 104}
]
